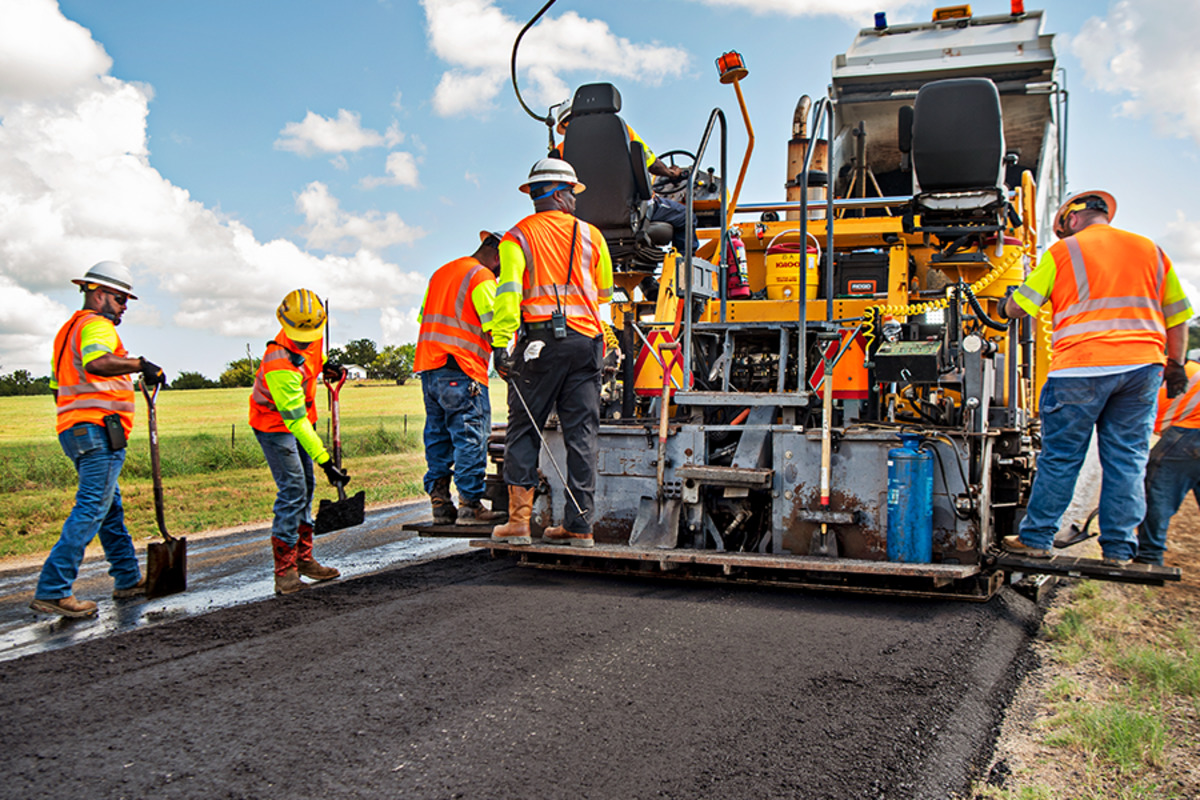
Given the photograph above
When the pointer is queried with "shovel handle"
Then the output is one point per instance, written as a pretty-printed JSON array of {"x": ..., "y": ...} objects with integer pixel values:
[
  {"x": 665, "y": 401},
  {"x": 155, "y": 463},
  {"x": 335, "y": 423}
]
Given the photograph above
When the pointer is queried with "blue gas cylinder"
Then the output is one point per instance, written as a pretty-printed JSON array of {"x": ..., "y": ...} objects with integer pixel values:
[{"x": 910, "y": 502}]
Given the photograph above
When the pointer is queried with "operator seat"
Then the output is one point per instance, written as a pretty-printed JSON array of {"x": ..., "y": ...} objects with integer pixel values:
[
  {"x": 958, "y": 154},
  {"x": 597, "y": 145}
]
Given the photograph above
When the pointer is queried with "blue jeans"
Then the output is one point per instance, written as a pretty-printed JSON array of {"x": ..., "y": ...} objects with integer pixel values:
[
  {"x": 1173, "y": 471},
  {"x": 97, "y": 510},
  {"x": 292, "y": 469},
  {"x": 670, "y": 211},
  {"x": 458, "y": 418},
  {"x": 1121, "y": 410}
]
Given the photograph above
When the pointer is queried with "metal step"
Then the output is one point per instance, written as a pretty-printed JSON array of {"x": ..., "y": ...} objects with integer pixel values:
[
  {"x": 726, "y": 476},
  {"x": 1086, "y": 568}
]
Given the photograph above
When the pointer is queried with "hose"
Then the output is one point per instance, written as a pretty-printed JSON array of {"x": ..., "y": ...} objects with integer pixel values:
[
  {"x": 978, "y": 286},
  {"x": 979, "y": 312}
]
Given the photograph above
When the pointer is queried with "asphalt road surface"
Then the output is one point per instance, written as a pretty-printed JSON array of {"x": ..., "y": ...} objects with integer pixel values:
[{"x": 461, "y": 676}]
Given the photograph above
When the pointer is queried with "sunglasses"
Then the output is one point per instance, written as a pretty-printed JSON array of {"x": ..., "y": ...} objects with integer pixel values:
[{"x": 122, "y": 299}]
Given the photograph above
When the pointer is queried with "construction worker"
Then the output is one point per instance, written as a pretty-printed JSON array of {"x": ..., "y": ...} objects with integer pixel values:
[
  {"x": 1117, "y": 304},
  {"x": 94, "y": 394},
  {"x": 453, "y": 355},
  {"x": 283, "y": 411},
  {"x": 555, "y": 271},
  {"x": 1174, "y": 467}
]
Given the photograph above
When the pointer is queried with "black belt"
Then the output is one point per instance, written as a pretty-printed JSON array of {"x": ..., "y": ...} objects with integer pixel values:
[{"x": 539, "y": 326}]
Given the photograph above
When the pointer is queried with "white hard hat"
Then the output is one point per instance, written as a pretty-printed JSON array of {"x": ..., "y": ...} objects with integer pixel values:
[
  {"x": 552, "y": 170},
  {"x": 110, "y": 274},
  {"x": 564, "y": 116}
]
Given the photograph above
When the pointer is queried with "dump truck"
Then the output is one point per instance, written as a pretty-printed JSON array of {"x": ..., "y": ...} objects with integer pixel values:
[{"x": 822, "y": 394}]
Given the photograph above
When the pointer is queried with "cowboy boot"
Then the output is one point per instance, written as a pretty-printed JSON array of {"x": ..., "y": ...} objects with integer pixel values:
[
  {"x": 444, "y": 512},
  {"x": 287, "y": 578},
  {"x": 472, "y": 512},
  {"x": 306, "y": 565},
  {"x": 520, "y": 509}
]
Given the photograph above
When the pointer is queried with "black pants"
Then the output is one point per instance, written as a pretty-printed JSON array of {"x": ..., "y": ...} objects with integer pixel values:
[{"x": 566, "y": 373}]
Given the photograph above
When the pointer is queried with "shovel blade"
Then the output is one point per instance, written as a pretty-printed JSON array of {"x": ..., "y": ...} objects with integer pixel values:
[
  {"x": 340, "y": 514},
  {"x": 823, "y": 544},
  {"x": 656, "y": 523},
  {"x": 166, "y": 567}
]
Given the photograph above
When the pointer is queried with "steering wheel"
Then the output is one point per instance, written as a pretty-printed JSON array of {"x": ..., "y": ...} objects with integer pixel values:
[{"x": 670, "y": 186}]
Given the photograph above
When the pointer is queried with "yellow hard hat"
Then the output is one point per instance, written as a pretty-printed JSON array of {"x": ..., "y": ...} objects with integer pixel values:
[
  {"x": 1093, "y": 198},
  {"x": 302, "y": 316}
]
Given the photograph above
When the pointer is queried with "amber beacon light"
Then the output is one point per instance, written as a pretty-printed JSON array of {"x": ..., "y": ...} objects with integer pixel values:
[{"x": 732, "y": 67}]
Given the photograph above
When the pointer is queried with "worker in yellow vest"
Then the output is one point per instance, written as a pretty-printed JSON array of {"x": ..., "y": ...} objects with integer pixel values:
[
  {"x": 94, "y": 394},
  {"x": 283, "y": 411},
  {"x": 454, "y": 350},
  {"x": 1117, "y": 306},
  {"x": 1174, "y": 467},
  {"x": 555, "y": 272}
]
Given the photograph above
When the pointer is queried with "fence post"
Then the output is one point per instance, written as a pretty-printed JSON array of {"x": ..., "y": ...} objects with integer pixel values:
[
  {"x": 232, "y": 436},
  {"x": 406, "y": 423}
]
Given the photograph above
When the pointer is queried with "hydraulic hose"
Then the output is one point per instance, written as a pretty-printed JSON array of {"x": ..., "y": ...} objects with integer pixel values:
[{"x": 979, "y": 312}]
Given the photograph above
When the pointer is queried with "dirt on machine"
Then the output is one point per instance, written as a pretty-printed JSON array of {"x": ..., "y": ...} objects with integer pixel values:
[{"x": 823, "y": 394}]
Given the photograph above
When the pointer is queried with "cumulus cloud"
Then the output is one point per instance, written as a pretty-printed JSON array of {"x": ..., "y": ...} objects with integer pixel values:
[
  {"x": 401, "y": 170},
  {"x": 475, "y": 38},
  {"x": 344, "y": 134},
  {"x": 76, "y": 187},
  {"x": 1146, "y": 51},
  {"x": 1182, "y": 243},
  {"x": 399, "y": 325}
]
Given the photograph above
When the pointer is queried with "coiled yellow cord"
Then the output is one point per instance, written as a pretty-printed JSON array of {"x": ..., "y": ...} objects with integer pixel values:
[
  {"x": 978, "y": 286},
  {"x": 610, "y": 336}
]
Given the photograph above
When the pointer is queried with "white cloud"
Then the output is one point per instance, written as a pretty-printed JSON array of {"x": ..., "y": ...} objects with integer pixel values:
[
  {"x": 475, "y": 38},
  {"x": 345, "y": 134},
  {"x": 1148, "y": 52},
  {"x": 328, "y": 227},
  {"x": 1182, "y": 243},
  {"x": 399, "y": 325},
  {"x": 401, "y": 171},
  {"x": 76, "y": 187}
]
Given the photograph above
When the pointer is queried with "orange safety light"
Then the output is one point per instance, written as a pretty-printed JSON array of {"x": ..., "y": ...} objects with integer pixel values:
[
  {"x": 732, "y": 67},
  {"x": 951, "y": 12},
  {"x": 1018, "y": 7}
]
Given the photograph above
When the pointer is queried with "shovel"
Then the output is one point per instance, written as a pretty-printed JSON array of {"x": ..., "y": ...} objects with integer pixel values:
[
  {"x": 166, "y": 561},
  {"x": 345, "y": 513},
  {"x": 657, "y": 520},
  {"x": 825, "y": 542}
]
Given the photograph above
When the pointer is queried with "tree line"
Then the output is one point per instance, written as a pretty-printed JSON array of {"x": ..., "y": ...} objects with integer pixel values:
[{"x": 393, "y": 362}]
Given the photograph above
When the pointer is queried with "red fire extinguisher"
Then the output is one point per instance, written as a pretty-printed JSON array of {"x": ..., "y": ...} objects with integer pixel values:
[{"x": 737, "y": 282}]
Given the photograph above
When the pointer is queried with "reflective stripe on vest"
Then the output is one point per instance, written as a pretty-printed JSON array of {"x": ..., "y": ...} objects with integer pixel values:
[
  {"x": 460, "y": 333},
  {"x": 83, "y": 397},
  {"x": 543, "y": 294},
  {"x": 264, "y": 415},
  {"x": 1183, "y": 411}
]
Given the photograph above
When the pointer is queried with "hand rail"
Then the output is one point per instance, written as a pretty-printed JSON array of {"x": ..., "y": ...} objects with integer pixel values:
[{"x": 715, "y": 116}]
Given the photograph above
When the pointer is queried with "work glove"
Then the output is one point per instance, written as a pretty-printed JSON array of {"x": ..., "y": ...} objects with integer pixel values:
[
  {"x": 152, "y": 373},
  {"x": 333, "y": 372},
  {"x": 502, "y": 361},
  {"x": 1175, "y": 376},
  {"x": 337, "y": 476}
]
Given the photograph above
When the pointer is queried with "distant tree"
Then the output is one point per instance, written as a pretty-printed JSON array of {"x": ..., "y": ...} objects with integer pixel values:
[
  {"x": 338, "y": 356},
  {"x": 192, "y": 380},
  {"x": 359, "y": 351},
  {"x": 395, "y": 363},
  {"x": 239, "y": 373},
  {"x": 20, "y": 382}
]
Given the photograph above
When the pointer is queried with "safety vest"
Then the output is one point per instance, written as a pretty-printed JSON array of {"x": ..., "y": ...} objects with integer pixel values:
[
  {"x": 546, "y": 240},
  {"x": 282, "y": 354},
  {"x": 450, "y": 322},
  {"x": 1183, "y": 411},
  {"x": 83, "y": 397},
  {"x": 1108, "y": 299}
]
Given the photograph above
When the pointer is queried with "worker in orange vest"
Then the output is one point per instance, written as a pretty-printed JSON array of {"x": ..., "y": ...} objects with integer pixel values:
[
  {"x": 1174, "y": 467},
  {"x": 94, "y": 394},
  {"x": 1117, "y": 305},
  {"x": 283, "y": 410},
  {"x": 555, "y": 271},
  {"x": 454, "y": 351}
]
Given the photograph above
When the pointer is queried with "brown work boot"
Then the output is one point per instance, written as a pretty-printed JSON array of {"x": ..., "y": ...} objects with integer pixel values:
[
  {"x": 287, "y": 578},
  {"x": 444, "y": 512},
  {"x": 1018, "y": 548},
  {"x": 137, "y": 590},
  {"x": 520, "y": 509},
  {"x": 65, "y": 606},
  {"x": 472, "y": 512},
  {"x": 306, "y": 565},
  {"x": 559, "y": 535}
]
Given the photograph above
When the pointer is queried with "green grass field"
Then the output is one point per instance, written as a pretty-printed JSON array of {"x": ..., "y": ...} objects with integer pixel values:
[{"x": 214, "y": 475}]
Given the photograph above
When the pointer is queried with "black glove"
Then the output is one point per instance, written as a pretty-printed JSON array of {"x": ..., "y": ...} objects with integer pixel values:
[
  {"x": 333, "y": 372},
  {"x": 337, "y": 476},
  {"x": 502, "y": 361},
  {"x": 1175, "y": 376},
  {"x": 152, "y": 373}
]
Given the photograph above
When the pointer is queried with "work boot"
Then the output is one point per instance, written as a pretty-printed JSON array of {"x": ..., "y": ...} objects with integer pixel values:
[
  {"x": 520, "y": 509},
  {"x": 137, "y": 590},
  {"x": 287, "y": 578},
  {"x": 557, "y": 534},
  {"x": 1018, "y": 548},
  {"x": 66, "y": 606},
  {"x": 472, "y": 512},
  {"x": 306, "y": 565},
  {"x": 444, "y": 512}
]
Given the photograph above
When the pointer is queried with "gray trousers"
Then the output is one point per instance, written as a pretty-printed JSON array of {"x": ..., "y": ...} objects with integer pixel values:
[{"x": 565, "y": 374}]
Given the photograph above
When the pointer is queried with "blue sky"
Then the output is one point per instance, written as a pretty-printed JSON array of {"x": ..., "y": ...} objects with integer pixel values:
[{"x": 231, "y": 151}]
